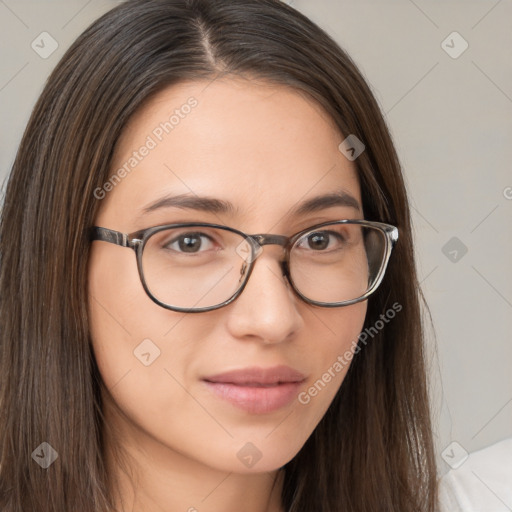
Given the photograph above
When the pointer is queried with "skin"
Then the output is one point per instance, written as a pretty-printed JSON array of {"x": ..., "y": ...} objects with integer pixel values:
[{"x": 264, "y": 148}]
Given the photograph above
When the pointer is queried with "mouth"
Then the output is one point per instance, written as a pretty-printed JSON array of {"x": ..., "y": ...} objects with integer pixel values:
[
  {"x": 250, "y": 384},
  {"x": 257, "y": 390}
]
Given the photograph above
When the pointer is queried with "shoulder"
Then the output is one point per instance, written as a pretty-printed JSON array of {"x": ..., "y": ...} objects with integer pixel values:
[{"x": 482, "y": 483}]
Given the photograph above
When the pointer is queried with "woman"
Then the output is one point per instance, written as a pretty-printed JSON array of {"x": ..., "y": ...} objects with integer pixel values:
[{"x": 204, "y": 303}]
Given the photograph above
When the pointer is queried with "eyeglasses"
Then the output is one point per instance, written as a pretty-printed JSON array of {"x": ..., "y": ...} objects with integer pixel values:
[{"x": 195, "y": 267}]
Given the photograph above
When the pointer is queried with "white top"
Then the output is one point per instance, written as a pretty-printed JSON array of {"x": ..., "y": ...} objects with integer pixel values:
[{"x": 482, "y": 483}]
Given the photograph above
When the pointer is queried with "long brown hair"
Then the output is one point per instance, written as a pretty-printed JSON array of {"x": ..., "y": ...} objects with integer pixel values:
[{"x": 373, "y": 449}]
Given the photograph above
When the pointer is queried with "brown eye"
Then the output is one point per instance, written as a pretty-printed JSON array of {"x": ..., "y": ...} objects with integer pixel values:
[
  {"x": 190, "y": 243},
  {"x": 320, "y": 241}
]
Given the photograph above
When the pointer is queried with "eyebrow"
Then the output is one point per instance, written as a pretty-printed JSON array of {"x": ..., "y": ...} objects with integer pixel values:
[
  {"x": 212, "y": 205},
  {"x": 319, "y": 203},
  {"x": 189, "y": 202}
]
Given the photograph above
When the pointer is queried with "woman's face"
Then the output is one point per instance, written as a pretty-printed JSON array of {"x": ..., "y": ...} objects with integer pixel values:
[{"x": 264, "y": 150}]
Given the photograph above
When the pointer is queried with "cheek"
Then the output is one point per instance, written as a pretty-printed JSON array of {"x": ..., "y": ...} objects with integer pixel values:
[
  {"x": 142, "y": 350},
  {"x": 332, "y": 331},
  {"x": 330, "y": 349},
  {"x": 110, "y": 282},
  {"x": 130, "y": 333},
  {"x": 342, "y": 327}
]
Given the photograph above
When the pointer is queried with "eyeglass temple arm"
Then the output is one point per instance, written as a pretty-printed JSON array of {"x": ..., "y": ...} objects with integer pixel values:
[{"x": 108, "y": 235}]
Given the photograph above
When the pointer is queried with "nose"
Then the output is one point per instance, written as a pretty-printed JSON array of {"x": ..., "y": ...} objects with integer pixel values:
[{"x": 267, "y": 308}]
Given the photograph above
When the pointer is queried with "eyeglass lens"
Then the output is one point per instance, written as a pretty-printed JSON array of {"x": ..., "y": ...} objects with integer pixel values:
[{"x": 198, "y": 267}]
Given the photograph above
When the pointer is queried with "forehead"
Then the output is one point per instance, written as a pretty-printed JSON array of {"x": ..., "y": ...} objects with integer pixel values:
[{"x": 262, "y": 147}]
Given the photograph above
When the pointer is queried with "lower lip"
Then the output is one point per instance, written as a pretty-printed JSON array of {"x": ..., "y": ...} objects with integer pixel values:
[{"x": 256, "y": 400}]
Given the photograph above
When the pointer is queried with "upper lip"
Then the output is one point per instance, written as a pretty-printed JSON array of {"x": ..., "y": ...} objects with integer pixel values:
[{"x": 258, "y": 375}]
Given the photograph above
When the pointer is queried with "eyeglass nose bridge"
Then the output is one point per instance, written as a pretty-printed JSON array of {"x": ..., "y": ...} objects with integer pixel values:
[
  {"x": 259, "y": 240},
  {"x": 268, "y": 239}
]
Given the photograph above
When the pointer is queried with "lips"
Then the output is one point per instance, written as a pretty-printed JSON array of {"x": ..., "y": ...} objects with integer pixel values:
[
  {"x": 257, "y": 390},
  {"x": 256, "y": 376}
]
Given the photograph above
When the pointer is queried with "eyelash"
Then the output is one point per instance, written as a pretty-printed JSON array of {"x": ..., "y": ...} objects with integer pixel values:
[
  {"x": 176, "y": 238},
  {"x": 333, "y": 237}
]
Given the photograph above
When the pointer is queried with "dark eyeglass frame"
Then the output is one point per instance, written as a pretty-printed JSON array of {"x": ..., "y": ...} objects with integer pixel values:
[{"x": 138, "y": 239}]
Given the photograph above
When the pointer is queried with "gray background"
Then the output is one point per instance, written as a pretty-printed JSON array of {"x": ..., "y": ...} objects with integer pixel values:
[{"x": 451, "y": 119}]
